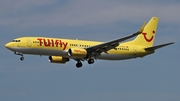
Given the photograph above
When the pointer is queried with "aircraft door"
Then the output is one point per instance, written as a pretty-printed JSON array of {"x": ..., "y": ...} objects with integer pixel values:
[
  {"x": 29, "y": 43},
  {"x": 29, "y": 46},
  {"x": 12, "y": 44},
  {"x": 135, "y": 50}
]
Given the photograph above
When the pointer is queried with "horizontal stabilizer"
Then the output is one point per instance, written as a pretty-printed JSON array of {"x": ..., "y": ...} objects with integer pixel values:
[{"x": 158, "y": 46}]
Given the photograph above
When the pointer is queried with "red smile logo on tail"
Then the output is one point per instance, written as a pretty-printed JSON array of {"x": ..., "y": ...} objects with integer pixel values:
[{"x": 145, "y": 37}]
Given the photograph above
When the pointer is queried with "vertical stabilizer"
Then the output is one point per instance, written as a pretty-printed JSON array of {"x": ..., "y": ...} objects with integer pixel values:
[{"x": 146, "y": 38}]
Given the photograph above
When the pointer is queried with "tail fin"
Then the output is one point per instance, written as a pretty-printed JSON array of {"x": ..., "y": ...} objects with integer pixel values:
[{"x": 146, "y": 38}]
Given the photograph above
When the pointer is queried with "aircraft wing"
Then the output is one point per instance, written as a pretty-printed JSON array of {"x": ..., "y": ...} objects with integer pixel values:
[
  {"x": 158, "y": 46},
  {"x": 96, "y": 50}
]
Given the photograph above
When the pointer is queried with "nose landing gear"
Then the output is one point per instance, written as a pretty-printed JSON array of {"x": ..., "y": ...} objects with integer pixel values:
[
  {"x": 22, "y": 58},
  {"x": 21, "y": 54}
]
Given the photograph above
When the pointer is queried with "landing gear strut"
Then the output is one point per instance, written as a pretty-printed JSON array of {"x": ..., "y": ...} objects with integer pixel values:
[
  {"x": 79, "y": 64},
  {"x": 21, "y": 58}
]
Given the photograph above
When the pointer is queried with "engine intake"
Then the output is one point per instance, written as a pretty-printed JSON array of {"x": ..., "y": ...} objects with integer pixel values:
[
  {"x": 58, "y": 59},
  {"x": 77, "y": 52}
]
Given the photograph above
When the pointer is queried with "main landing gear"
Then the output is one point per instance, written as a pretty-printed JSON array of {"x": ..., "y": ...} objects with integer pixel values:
[
  {"x": 79, "y": 63},
  {"x": 21, "y": 58},
  {"x": 91, "y": 61}
]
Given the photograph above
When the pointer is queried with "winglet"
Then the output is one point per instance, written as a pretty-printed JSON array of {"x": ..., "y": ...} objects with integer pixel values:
[
  {"x": 140, "y": 30},
  {"x": 142, "y": 27}
]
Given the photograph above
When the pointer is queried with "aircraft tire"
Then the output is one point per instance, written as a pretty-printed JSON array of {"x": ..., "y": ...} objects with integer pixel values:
[
  {"x": 79, "y": 64},
  {"x": 22, "y": 58},
  {"x": 91, "y": 61}
]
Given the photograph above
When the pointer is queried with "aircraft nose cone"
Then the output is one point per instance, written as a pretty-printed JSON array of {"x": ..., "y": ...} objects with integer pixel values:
[{"x": 8, "y": 45}]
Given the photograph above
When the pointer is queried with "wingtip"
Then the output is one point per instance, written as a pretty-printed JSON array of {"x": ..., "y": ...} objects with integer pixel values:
[
  {"x": 142, "y": 27},
  {"x": 172, "y": 43}
]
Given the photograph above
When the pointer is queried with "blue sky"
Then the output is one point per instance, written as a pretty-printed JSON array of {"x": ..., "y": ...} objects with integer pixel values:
[{"x": 155, "y": 77}]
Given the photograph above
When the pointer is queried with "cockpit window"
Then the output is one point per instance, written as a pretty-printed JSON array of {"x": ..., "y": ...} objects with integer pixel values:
[{"x": 16, "y": 40}]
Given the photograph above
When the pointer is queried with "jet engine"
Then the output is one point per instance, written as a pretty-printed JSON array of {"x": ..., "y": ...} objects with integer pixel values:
[
  {"x": 77, "y": 52},
  {"x": 58, "y": 59}
]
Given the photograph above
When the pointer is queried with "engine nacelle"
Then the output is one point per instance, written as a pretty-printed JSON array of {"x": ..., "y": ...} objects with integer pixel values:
[
  {"x": 77, "y": 52},
  {"x": 58, "y": 59}
]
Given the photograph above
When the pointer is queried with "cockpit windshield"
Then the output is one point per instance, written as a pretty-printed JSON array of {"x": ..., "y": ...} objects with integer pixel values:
[{"x": 16, "y": 40}]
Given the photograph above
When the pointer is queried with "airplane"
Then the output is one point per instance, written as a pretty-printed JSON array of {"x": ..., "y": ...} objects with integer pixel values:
[{"x": 60, "y": 50}]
